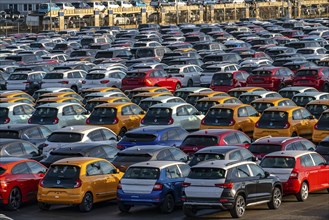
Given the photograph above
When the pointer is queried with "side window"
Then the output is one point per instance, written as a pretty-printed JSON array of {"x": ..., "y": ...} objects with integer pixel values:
[
  {"x": 243, "y": 138},
  {"x": 318, "y": 160},
  {"x": 231, "y": 139},
  {"x": 306, "y": 161},
  {"x": 185, "y": 169},
  {"x": 190, "y": 110},
  {"x": 242, "y": 112},
  {"x": 136, "y": 110},
  {"x": 173, "y": 135},
  {"x": 309, "y": 145},
  {"x": 252, "y": 111},
  {"x": 297, "y": 115},
  {"x": 77, "y": 75},
  {"x": 235, "y": 155},
  {"x": 243, "y": 171},
  {"x": 257, "y": 171},
  {"x": 299, "y": 146},
  {"x": 21, "y": 168},
  {"x": 164, "y": 137},
  {"x": 78, "y": 109},
  {"x": 36, "y": 168},
  {"x": 44, "y": 132},
  {"x": 108, "y": 135},
  {"x": 30, "y": 149},
  {"x": 70, "y": 75},
  {"x": 246, "y": 155},
  {"x": 32, "y": 133},
  {"x": 28, "y": 109},
  {"x": 97, "y": 152},
  {"x": 173, "y": 172},
  {"x": 15, "y": 149},
  {"x": 96, "y": 135},
  {"x": 305, "y": 114},
  {"x": 165, "y": 155},
  {"x": 68, "y": 110},
  {"x": 18, "y": 110},
  {"x": 182, "y": 111},
  {"x": 94, "y": 169},
  {"x": 290, "y": 147},
  {"x": 106, "y": 167},
  {"x": 178, "y": 155},
  {"x": 126, "y": 111}
]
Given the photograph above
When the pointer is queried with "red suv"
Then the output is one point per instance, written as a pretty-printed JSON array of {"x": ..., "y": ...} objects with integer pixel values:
[
  {"x": 214, "y": 137},
  {"x": 317, "y": 77},
  {"x": 266, "y": 145},
  {"x": 150, "y": 77},
  {"x": 271, "y": 78},
  {"x": 224, "y": 81},
  {"x": 300, "y": 172}
]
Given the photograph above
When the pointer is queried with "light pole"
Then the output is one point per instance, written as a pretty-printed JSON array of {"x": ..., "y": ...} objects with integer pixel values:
[
  {"x": 50, "y": 18},
  {"x": 177, "y": 19}
]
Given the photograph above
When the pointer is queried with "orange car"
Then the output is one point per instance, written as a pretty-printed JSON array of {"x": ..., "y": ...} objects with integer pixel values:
[{"x": 16, "y": 99}]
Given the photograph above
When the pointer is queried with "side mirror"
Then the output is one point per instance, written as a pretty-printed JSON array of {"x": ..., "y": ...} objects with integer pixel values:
[{"x": 267, "y": 174}]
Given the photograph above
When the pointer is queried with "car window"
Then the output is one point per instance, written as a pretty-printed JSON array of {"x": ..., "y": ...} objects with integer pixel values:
[
  {"x": 318, "y": 160},
  {"x": 305, "y": 114},
  {"x": 290, "y": 147},
  {"x": 309, "y": 145},
  {"x": 78, "y": 109},
  {"x": 185, "y": 169},
  {"x": 182, "y": 111},
  {"x": 97, "y": 152},
  {"x": 45, "y": 132},
  {"x": 94, "y": 169},
  {"x": 21, "y": 168},
  {"x": 243, "y": 171},
  {"x": 299, "y": 146},
  {"x": 108, "y": 135},
  {"x": 136, "y": 110},
  {"x": 32, "y": 133},
  {"x": 251, "y": 111},
  {"x": 235, "y": 155},
  {"x": 28, "y": 109},
  {"x": 178, "y": 154},
  {"x": 36, "y": 168},
  {"x": 96, "y": 135},
  {"x": 126, "y": 110},
  {"x": 18, "y": 110},
  {"x": 231, "y": 139},
  {"x": 257, "y": 171},
  {"x": 106, "y": 167},
  {"x": 246, "y": 155},
  {"x": 243, "y": 138},
  {"x": 173, "y": 135},
  {"x": 306, "y": 161},
  {"x": 165, "y": 155},
  {"x": 297, "y": 115},
  {"x": 173, "y": 172},
  {"x": 15, "y": 149},
  {"x": 68, "y": 110},
  {"x": 30, "y": 149},
  {"x": 242, "y": 112}
]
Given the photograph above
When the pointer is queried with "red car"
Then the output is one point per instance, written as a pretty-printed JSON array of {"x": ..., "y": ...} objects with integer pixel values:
[
  {"x": 267, "y": 145},
  {"x": 224, "y": 81},
  {"x": 300, "y": 172},
  {"x": 150, "y": 77},
  {"x": 19, "y": 179},
  {"x": 270, "y": 78},
  {"x": 214, "y": 137},
  {"x": 317, "y": 77}
]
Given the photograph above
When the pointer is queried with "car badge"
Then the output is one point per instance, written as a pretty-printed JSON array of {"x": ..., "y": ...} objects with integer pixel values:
[
  {"x": 100, "y": 120},
  {"x": 58, "y": 182}
]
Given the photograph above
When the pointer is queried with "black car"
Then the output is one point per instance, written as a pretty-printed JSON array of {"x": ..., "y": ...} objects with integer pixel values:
[
  {"x": 137, "y": 154},
  {"x": 323, "y": 148},
  {"x": 98, "y": 150},
  {"x": 34, "y": 133},
  {"x": 19, "y": 148}
]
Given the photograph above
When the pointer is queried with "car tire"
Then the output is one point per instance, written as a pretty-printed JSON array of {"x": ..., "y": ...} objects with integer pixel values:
[
  {"x": 178, "y": 86},
  {"x": 239, "y": 207},
  {"x": 302, "y": 195},
  {"x": 75, "y": 89},
  {"x": 276, "y": 200},
  {"x": 43, "y": 206},
  {"x": 123, "y": 207},
  {"x": 189, "y": 83},
  {"x": 15, "y": 199},
  {"x": 168, "y": 204},
  {"x": 87, "y": 203},
  {"x": 122, "y": 132},
  {"x": 189, "y": 211}
]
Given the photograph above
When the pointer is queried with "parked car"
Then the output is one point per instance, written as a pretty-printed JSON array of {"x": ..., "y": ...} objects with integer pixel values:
[
  {"x": 263, "y": 103},
  {"x": 236, "y": 92},
  {"x": 15, "y": 113},
  {"x": 317, "y": 77},
  {"x": 289, "y": 92},
  {"x": 217, "y": 184},
  {"x": 40, "y": 92},
  {"x": 248, "y": 97},
  {"x": 204, "y": 104},
  {"x": 188, "y": 75},
  {"x": 302, "y": 99},
  {"x": 316, "y": 107},
  {"x": 300, "y": 172},
  {"x": 26, "y": 81},
  {"x": 321, "y": 128},
  {"x": 194, "y": 97},
  {"x": 224, "y": 81},
  {"x": 146, "y": 103},
  {"x": 107, "y": 79},
  {"x": 155, "y": 183},
  {"x": 323, "y": 148},
  {"x": 19, "y": 148}
]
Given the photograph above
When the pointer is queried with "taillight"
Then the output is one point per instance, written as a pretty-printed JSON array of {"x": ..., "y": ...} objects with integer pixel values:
[
  {"x": 83, "y": 82},
  {"x": 287, "y": 125},
  {"x": 7, "y": 120},
  {"x": 77, "y": 183},
  {"x": 185, "y": 184},
  {"x": 41, "y": 183},
  {"x": 316, "y": 126},
  {"x": 3, "y": 184},
  {"x": 202, "y": 121},
  {"x": 293, "y": 175},
  {"x": 29, "y": 121},
  {"x": 55, "y": 121},
  {"x": 225, "y": 185},
  {"x": 142, "y": 121},
  {"x": 116, "y": 120},
  {"x": 232, "y": 122},
  {"x": 27, "y": 82},
  {"x": 119, "y": 186},
  {"x": 64, "y": 82},
  {"x": 105, "y": 81},
  {"x": 157, "y": 187},
  {"x": 171, "y": 121},
  {"x": 88, "y": 121}
]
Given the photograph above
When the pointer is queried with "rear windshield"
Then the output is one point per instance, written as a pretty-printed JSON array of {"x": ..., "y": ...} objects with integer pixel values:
[
  {"x": 181, "y": 94},
  {"x": 133, "y": 137},
  {"x": 246, "y": 99},
  {"x": 207, "y": 173},
  {"x": 145, "y": 105},
  {"x": 86, "y": 41},
  {"x": 17, "y": 77},
  {"x": 135, "y": 75},
  {"x": 288, "y": 94},
  {"x": 145, "y": 52},
  {"x": 9, "y": 134},
  {"x": 323, "y": 122},
  {"x": 222, "y": 79},
  {"x": 264, "y": 148},
  {"x": 307, "y": 73},
  {"x": 65, "y": 137},
  {"x": 317, "y": 109},
  {"x": 278, "y": 162},
  {"x": 105, "y": 54},
  {"x": 218, "y": 116},
  {"x": 54, "y": 76},
  {"x": 235, "y": 93},
  {"x": 95, "y": 76},
  {"x": 273, "y": 119},
  {"x": 157, "y": 116},
  {"x": 199, "y": 140},
  {"x": 45, "y": 112},
  {"x": 261, "y": 106},
  {"x": 91, "y": 105},
  {"x": 61, "y": 176},
  {"x": 204, "y": 106},
  {"x": 3, "y": 112},
  {"x": 197, "y": 158},
  {"x": 261, "y": 73},
  {"x": 105, "y": 112},
  {"x": 132, "y": 158},
  {"x": 302, "y": 100},
  {"x": 142, "y": 173}
]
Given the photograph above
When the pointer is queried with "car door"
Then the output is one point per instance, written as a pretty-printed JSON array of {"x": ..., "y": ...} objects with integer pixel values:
[
  {"x": 19, "y": 115},
  {"x": 263, "y": 184},
  {"x": 112, "y": 178},
  {"x": 310, "y": 171},
  {"x": 127, "y": 117},
  {"x": 309, "y": 122},
  {"x": 24, "y": 180},
  {"x": 323, "y": 171},
  {"x": 97, "y": 180},
  {"x": 174, "y": 179},
  {"x": 244, "y": 120},
  {"x": 38, "y": 171}
]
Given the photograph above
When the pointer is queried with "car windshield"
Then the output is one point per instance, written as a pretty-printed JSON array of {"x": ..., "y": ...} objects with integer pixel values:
[
  {"x": 95, "y": 76},
  {"x": 197, "y": 158},
  {"x": 54, "y": 76},
  {"x": 138, "y": 137},
  {"x": 261, "y": 73},
  {"x": 323, "y": 123},
  {"x": 278, "y": 162},
  {"x": 65, "y": 137},
  {"x": 273, "y": 119},
  {"x": 142, "y": 173},
  {"x": 200, "y": 140},
  {"x": 61, "y": 176},
  {"x": 17, "y": 77},
  {"x": 157, "y": 116},
  {"x": 264, "y": 148},
  {"x": 207, "y": 173},
  {"x": 45, "y": 112}
]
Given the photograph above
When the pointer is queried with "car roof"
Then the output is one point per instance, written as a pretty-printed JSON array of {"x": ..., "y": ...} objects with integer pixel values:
[
  {"x": 152, "y": 129},
  {"x": 157, "y": 164},
  {"x": 12, "y": 104},
  {"x": 296, "y": 88},
  {"x": 5, "y": 160},
  {"x": 223, "y": 164},
  {"x": 275, "y": 140},
  {"x": 79, "y": 128},
  {"x": 193, "y": 89},
  {"x": 168, "y": 105},
  {"x": 158, "y": 98},
  {"x": 288, "y": 153},
  {"x": 17, "y": 127},
  {"x": 257, "y": 93},
  {"x": 212, "y": 132},
  {"x": 282, "y": 108},
  {"x": 321, "y": 101},
  {"x": 56, "y": 105},
  {"x": 79, "y": 147},
  {"x": 217, "y": 149},
  {"x": 311, "y": 94},
  {"x": 143, "y": 149},
  {"x": 78, "y": 161}
]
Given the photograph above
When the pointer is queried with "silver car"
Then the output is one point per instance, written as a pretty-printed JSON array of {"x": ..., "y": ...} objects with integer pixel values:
[
  {"x": 25, "y": 81},
  {"x": 188, "y": 75},
  {"x": 209, "y": 71},
  {"x": 15, "y": 113}
]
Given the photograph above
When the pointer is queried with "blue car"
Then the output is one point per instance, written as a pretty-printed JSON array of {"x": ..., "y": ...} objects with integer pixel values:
[
  {"x": 153, "y": 135},
  {"x": 152, "y": 183}
]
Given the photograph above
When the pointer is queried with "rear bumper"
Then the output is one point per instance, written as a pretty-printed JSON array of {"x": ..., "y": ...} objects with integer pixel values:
[
  {"x": 210, "y": 205},
  {"x": 291, "y": 187},
  {"x": 65, "y": 198},
  {"x": 258, "y": 132},
  {"x": 153, "y": 198}
]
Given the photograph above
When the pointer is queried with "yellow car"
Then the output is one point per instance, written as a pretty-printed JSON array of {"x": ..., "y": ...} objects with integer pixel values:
[
  {"x": 119, "y": 117},
  {"x": 285, "y": 121},
  {"x": 17, "y": 100},
  {"x": 231, "y": 116},
  {"x": 316, "y": 107},
  {"x": 133, "y": 92},
  {"x": 43, "y": 101},
  {"x": 61, "y": 95},
  {"x": 194, "y": 97},
  {"x": 16, "y": 94},
  {"x": 236, "y": 92},
  {"x": 98, "y": 101},
  {"x": 263, "y": 103},
  {"x": 204, "y": 104},
  {"x": 140, "y": 96},
  {"x": 321, "y": 129},
  {"x": 85, "y": 92},
  {"x": 79, "y": 181}
]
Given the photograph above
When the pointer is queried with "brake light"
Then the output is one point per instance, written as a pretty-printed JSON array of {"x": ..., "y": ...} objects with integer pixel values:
[
  {"x": 225, "y": 185},
  {"x": 105, "y": 81},
  {"x": 64, "y": 82},
  {"x": 7, "y": 120},
  {"x": 287, "y": 125},
  {"x": 3, "y": 184},
  {"x": 223, "y": 200},
  {"x": 116, "y": 120},
  {"x": 88, "y": 121},
  {"x": 157, "y": 187},
  {"x": 119, "y": 186},
  {"x": 142, "y": 121},
  {"x": 185, "y": 184},
  {"x": 171, "y": 121},
  {"x": 293, "y": 175},
  {"x": 232, "y": 122},
  {"x": 316, "y": 126},
  {"x": 257, "y": 125},
  {"x": 83, "y": 82},
  {"x": 41, "y": 183},
  {"x": 78, "y": 183},
  {"x": 55, "y": 121},
  {"x": 29, "y": 121},
  {"x": 202, "y": 121},
  {"x": 27, "y": 82}
]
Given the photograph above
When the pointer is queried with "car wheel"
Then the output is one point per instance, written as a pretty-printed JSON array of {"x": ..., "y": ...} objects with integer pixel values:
[
  {"x": 15, "y": 199},
  {"x": 190, "y": 83},
  {"x": 43, "y": 206},
  {"x": 189, "y": 211},
  {"x": 178, "y": 86},
  {"x": 87, "y": 203},
  {"x": 325, "y": 88},
  {"x": 294, "y": 134},
  {"x": 302, "y": 195},
  {"x": 75, "y": 89},
  {"x": 168, "y": 205},
  {"x": 122, "y": 132},
  {"x": 239, "y": 207},
  {"x": 276, "y": 199},
  {"x": 123, "y": 207}
]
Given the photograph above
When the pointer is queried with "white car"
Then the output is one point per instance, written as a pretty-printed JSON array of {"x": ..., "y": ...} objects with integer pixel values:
[
  {"x": 248, "y": 97},
  {"x": 110, "y": 4},
  {"x": 57, "y": 115},
  {"x": 121, "y": 19},
  {"x": 15, "y": 113},
  {"x": 173, "y": 114},
  {"x": 146, "y": 103},
  {"x": 65, "y": 6},
  {"x": 40, "y": 92},
  {"x": 78, "y": 134},
  {"x": 188, "y": 75},
  {"x": 111, "y": 78}
]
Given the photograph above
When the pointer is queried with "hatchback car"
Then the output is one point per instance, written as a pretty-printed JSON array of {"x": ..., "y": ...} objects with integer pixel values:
[
  {"x": 26, "y": 81},
  {"x": 248, "y": 97},
  {"x": 290, "y": 91},
  {"x": 236, "y": 92},
  {"x": 189, "y": 75},
  {"x": 80, "y": 181},
  {"x": 111, "y": 78},
  {"x": 321, "y": 128},
  {"x": 153, "y": 135},
  {"x": 323, "y": 148},
  {"x": 138, "y": 90},
  {"x": 92, "y": 103},
  {"x": 194, "y": 97},
  {"x": 218, "y": 184},
  {"x": 302, "y": 99},
  {"x": 316, "y": 107},
  {"x": 300, "y": 172},
  {"x": 146, "y": 103},
  {"x": 19, "y": 181},
  {"x": 224, "y": 81},
  {"x": 15, "y": 113},
  {"x": 263, "y": 103},
  {"x": 185, "y": 92},
  {"x": 142, "y": 153},
  {"x": 286, "y": 121},
  {"x": 152, "y": 183},
  {"x": 19, "y": 148},
  {"x": 316, "y": 77},
  {"x": 232, "y": 116},
  {"x": 15, "y": 94}
]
